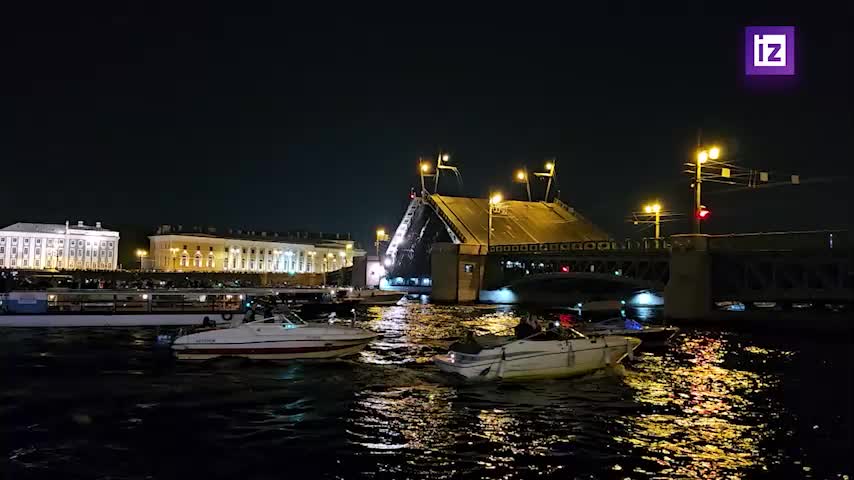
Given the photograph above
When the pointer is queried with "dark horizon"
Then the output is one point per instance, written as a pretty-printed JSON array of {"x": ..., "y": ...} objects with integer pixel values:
[{"x": 273, "y": 120}]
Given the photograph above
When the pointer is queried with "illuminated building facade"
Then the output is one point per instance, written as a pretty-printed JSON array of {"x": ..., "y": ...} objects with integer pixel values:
[
  {"x": 178, "y": 251},
  {"x": 40, "y": 246}
]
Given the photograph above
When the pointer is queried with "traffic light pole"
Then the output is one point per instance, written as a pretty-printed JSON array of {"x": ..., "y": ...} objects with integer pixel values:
[{"x": 697, "y": 201}]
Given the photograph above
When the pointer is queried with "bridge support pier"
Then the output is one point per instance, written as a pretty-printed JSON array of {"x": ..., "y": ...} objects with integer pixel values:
[
  {"x": 688, "y": 294},
  {"x": 457, "y": 272}
]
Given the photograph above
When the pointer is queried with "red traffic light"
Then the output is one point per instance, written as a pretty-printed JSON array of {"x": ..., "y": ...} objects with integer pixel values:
[{"x": 703, "y": 212}]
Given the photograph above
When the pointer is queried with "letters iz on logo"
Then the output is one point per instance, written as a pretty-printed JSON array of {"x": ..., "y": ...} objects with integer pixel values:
[{"x": 769, "y": 51}]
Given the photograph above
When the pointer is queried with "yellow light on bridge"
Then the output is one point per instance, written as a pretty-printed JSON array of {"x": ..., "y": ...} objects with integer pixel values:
[
  {"x": 495, "y": 199},
  {"x": 702, "y": 156},
  {"x": 652, "y": 208},
  {"x": 425, "y": 167},
  {"x": 446, "y": 157},
  {"x": 714, "y": 153},
  {"x": 380, "y": 232},
  {"x": 550, "y": 166},
  {"x": 520, "y": 175}
]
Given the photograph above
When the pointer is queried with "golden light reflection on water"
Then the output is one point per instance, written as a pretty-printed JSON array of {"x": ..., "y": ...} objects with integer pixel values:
[
  {"x": 699, "y": 428},
  {"x": 414, "y": 332},
  {"x": 405, "y": 417}
]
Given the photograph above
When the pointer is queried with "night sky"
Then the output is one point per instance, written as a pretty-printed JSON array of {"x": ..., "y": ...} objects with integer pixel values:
[{"x": 270, "y": 118}]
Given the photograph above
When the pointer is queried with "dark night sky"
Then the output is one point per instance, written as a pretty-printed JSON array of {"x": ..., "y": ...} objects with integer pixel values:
[{"x": 271, "y": 118}]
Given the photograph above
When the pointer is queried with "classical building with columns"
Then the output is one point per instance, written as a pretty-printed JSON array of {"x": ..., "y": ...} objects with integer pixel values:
[
  {"x": 40, "y": 246},
  {"x": 207, "y": 250}
]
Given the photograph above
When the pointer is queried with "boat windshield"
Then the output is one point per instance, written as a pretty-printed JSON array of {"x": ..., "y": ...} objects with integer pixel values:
[
  {"x": 286, "y": 317},
  {"x": 557, "y": 333}
]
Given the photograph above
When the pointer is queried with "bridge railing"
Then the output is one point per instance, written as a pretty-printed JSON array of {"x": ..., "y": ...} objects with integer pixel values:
[
  {"x": 428, "y": 199},
  {"x": 584, "y": 246}
]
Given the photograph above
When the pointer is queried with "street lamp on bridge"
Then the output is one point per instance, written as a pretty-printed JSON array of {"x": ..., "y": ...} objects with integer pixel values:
[
  {"x": 703, "y": 156},
  {"x": 655, "y": 209},
  {"x": 494, "y": 205},
  {"x": 522, "y": 177},
  {"x": 381, "y": 237},
  {"x": 551, "y": 166}
]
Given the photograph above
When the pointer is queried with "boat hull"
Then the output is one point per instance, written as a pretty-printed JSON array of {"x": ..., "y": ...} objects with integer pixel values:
[
  {"x": 286, "y": 351},
  {"x": 525, "y": 359},
  {"x": 273, "y": 341}
]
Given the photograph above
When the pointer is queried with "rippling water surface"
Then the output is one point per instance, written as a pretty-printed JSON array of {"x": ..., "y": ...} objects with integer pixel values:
[{"x": 105, "y": 403}]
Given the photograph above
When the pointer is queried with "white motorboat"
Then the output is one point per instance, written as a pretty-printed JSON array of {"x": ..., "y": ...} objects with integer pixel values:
[
  {"x": 376, "y": 297},
  {"x": 546, "y": 354},
  {"x": 650, "y": 334},
  {"x": 283, "y": 336}
]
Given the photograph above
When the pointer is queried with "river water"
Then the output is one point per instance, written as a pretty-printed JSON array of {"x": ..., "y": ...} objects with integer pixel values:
[{"x": 106, "y": 403}]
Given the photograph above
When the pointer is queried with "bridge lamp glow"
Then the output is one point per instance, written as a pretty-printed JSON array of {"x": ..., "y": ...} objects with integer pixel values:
[
  {"x": 380, "y": 232},
  {"x": 495, "y": 199},
  {"x": 550, "y": 166},
  {"x": 425, "y": 167},
  {"x": 703, "y": 156},
  {"x": 446, "y": 157},
  {"x": 520, "y": 175},
  {"x": 714, "y": 153}
]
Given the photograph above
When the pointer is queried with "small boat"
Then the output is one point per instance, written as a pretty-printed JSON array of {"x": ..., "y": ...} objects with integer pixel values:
[
  {"x": 283, "y": 336},
  {"x": 651, "y": 335},
  {"x": 553, "y": 353},
  {"x": 376, "y": 297}
]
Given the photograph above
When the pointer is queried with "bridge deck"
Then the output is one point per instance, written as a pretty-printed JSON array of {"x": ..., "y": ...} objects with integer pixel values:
[{"x": 519, "y": 223}]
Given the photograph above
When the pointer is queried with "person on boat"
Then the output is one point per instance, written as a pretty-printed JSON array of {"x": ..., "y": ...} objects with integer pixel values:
[
  {"x": 467, "y": 345},
  {"x": 527, "y": 327}
]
